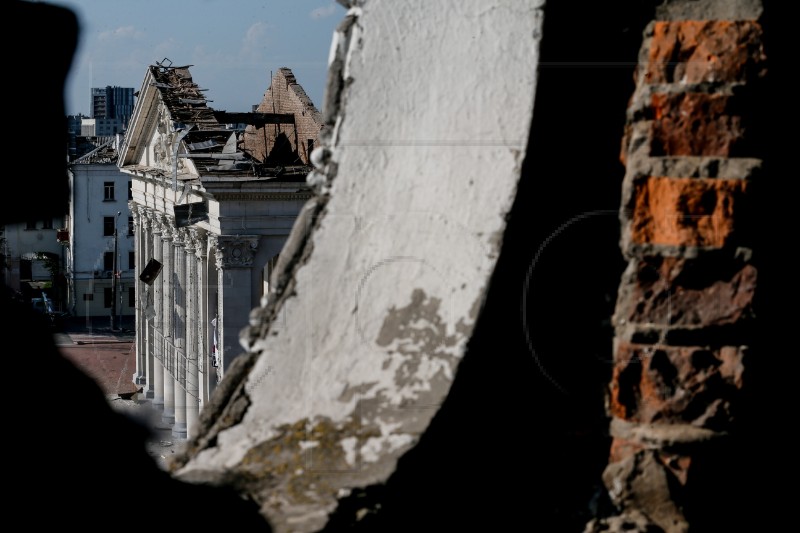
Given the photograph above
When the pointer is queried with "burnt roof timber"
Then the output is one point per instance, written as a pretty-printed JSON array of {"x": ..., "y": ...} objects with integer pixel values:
[
  {"x": 214, "y": 155},
  {"x": 255, "y": 119}
]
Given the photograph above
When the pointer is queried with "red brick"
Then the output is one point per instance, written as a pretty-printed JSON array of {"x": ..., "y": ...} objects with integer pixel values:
[
  {"x": 696, "y": 124},
  {"x": 687, "y": 211},
  {"x": 285, "y": 95},
  {"x": 693, "y": 51},
  {"x": 705, "y": 291},
  {"x": 684, "y": 384}
]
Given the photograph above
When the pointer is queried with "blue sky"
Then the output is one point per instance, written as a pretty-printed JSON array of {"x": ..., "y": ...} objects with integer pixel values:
[{"x": 232, "y": 44}]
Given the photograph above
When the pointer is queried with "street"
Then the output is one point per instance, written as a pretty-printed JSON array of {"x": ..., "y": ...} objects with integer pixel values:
[{"x": 109, "y": 357}]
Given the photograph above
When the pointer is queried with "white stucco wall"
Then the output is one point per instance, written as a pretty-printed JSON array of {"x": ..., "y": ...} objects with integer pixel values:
[
  {"x": 429, "y": 143},
  {"x": 87, "y": 242}
]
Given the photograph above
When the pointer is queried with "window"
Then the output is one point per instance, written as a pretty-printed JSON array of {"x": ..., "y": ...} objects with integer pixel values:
[
  {"x": 88, "y": 297},
  {"x": 47, "y": 224},
  {"x": 30, "y": 224},
  {"x": 107, "y": 297},
  {"x": 130, "y": 225},
  {"x": 108, "y": 261},
  {"x": 108, "y": 226},
  {"x": 108, "y": 190},
  {"x": 130, "y": 190},
  {"x": 132, "y": 260},
  {"x": 131, "y": 297}
]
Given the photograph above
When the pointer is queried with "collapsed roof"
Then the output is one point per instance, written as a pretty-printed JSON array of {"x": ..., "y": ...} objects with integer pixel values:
[{"x": 210, "y": 139}]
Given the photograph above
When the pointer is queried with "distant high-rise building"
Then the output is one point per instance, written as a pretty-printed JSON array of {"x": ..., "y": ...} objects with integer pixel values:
[{"x": 111, "y": 109}]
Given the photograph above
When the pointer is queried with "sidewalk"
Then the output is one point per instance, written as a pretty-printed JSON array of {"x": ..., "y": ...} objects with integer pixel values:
[
  {"x": 109, "y": 357},
  {"x": 99, "y": 328}
]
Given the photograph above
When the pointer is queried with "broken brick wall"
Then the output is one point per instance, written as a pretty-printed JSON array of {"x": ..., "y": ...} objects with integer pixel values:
[
  {"x": 520, "y": 441},
  {"x": 690, "y": 357},
  {"x": 285, "y": 142}
]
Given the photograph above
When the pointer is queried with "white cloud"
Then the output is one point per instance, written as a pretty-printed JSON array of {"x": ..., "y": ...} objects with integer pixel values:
[
  {"x": 255, "y": 39},
  {"x": 323, "y": 12},
  {"x": 125, "y": 32},
  {"x": 169, "y": 48}
]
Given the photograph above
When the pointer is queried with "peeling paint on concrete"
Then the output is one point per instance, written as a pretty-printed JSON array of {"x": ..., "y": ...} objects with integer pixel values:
[
  {"x": 349, "y": 447},
  {"x": 383, "y": 282},
  {"x": 378, "y": 447}
]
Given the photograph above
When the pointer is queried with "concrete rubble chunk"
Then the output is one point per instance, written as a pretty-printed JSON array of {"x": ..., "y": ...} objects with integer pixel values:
[{"x": 379, "y": 298}]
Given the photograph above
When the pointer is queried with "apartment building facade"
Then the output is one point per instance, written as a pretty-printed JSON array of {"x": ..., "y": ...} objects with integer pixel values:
[
  {"x": 111, "y": 110},
  {"x": 98, "y": 236}
]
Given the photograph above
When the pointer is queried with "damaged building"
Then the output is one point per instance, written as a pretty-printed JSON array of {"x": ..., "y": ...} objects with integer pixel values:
[
  {"x": 530, "y": 328},
  {"x": 538, "y": 282},
  {"x": 212, "y": 205}
]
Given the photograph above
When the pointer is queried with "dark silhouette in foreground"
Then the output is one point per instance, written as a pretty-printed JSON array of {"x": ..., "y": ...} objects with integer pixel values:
[{"x": 77, "y": 460}]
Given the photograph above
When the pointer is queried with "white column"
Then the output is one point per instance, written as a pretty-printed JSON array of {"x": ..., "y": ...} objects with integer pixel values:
[
  {"x": 213, "y": 294},
  {"x": 203, "y": 288},
  {"x": 235, "y": 255},
  {"x": 179, "y": 329},
  {"x": 219, "y": 309},
  {"x": 192, "y": 289},
  {"x": 168, "y": 272},
  {"x": 144, "y": 298},
  {"x": 140, "y": 376},
  {"x": 156, "y": 390}
]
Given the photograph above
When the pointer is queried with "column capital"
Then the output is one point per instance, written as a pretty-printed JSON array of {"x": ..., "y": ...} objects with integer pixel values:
[
  {"x": 235, "y": 251},
  {"x": 155, "y": 221},
  {"x": 200, "y": 237},
  {"x": 168, "y": 229},
  {"x": 141, "y": 215},
  {"x": 189, "y": 240},
  {"x": 134, "y": 212},
  {"x": 180, "y": 236}
]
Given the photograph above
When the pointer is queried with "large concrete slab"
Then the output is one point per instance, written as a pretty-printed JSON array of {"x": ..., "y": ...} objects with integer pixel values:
[{"x": 378, "y": 289}]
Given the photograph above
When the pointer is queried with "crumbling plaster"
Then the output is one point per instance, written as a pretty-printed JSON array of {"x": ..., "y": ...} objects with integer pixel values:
[{"x": 380, "y": 284}]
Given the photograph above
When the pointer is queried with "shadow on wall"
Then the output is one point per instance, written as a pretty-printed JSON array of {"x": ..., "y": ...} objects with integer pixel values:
[
  {"x": 521, "y": 440},
  {"x": 282, "y": 152}
]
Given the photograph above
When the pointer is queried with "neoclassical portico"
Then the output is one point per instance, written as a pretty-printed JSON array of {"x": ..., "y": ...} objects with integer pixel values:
[
  {"x": 189, "y": 320},
  {"x": 214, "y": 217},
  {"x": 181, "y": 314}
]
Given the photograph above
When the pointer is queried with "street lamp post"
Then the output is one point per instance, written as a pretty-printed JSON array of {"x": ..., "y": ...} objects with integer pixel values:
[{"x": 114, "y": 278}]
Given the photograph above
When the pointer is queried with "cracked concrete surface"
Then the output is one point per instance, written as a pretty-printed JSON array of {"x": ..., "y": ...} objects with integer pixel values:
[{"x": 381, "y": 281}]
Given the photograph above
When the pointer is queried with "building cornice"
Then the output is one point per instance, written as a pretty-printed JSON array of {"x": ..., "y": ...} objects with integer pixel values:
[
  {"x": 255, "y": 196},
  {"x": 297, "y": 191}
]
